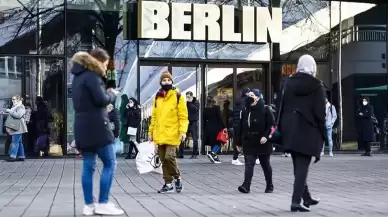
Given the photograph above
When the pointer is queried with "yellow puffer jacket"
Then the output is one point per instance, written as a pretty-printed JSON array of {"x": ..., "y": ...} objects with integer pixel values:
[{"x": 169, "y": 119}]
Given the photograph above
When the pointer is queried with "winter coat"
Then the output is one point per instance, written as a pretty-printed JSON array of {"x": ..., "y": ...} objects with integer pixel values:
[
  {"x": 193, "y": 110},
  {"x": 331, "y": 115},
  {"x": 237, "y": 111},
  {"x": 114, "y": 119},
  {"x": 123, "y": 106},
  {"x": 256, "y": 123},
  {"x": 132, "y": 117},
  {"x": 213, "y": 124},
  {"x": 302, "y": 119},
  {"x": 169, "y": 119},
  {"x": 18, "y": 112},
  {"x": 364, "y": 123},
  {"x": 91, "y": 121},
  {"x": 42, "y": 119}
]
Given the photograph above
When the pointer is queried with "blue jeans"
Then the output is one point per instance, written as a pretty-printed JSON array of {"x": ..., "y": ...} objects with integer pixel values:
[
  {"x": 17, "y": 149},
  {"x": 216, "y": 148},
  {"x": 329, "y": 132},
  {"x": 108, "y": 158}
]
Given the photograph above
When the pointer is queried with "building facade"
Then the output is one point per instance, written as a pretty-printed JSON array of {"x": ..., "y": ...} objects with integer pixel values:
[{"x": 38, "y": 38}]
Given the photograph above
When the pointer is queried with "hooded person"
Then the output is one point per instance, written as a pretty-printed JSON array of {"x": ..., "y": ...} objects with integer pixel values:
[
  {"x": 302, "y": 126},
  {"x": 237, "y": 111},
  {"x": 132, "y": 124},
  {"x": 169, "y": 123},
  {"x": 256, "y": 123},
  {"x": 124, "y": 137}
]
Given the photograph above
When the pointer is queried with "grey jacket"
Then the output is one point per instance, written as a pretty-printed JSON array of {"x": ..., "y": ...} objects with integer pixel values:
[{"x": 18, "y": 112}]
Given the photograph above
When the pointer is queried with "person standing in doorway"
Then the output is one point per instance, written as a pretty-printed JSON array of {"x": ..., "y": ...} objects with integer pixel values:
[
  {"x": 256, "y": 123},
  {"x": 193, "y": 111},
  {"x": 168, "y": 128},
  {"x": 16, "y": 129},
  {"x": 91, "y": 128},
  {"x": 237, "y": 115},
  {"x": 365, "y": 115},
  {"x": 132, "y": 123},
  {"x": 302, "y": 126},
  {"x": 331, "y": 117}
]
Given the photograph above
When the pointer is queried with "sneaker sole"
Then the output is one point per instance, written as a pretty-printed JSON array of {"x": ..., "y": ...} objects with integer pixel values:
[
  {"x": 210, "y": 158},
  {"x": 179, "y": 191},
  {"x": 164, "y": 192}
]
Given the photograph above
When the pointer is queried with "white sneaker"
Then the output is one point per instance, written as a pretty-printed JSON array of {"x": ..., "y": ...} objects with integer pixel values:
[
  {"x": 237, "y": 162},
  {"x": 88, "y": 210},
  {"x": 257, "y": 161},
  {"x": 288, "y": 155},
  {"x": 331, "y": 154},
  {"x": 108, "y": 209}
]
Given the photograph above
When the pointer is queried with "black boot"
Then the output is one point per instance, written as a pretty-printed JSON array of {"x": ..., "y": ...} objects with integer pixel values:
[
  {"x": 269, "y": 188},
  {"x": 299, "y": 207},
  {"x": 311, "y": 202},
  {"x": 244, "y": 188}
]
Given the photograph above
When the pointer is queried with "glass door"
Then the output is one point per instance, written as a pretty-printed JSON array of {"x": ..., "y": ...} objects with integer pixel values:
[{"x": 44, "y": 91}]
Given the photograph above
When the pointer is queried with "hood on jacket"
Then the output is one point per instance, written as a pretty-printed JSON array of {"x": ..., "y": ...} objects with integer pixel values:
[
  {"x": 307, "y": 65},
  {"x": 302, "y": 84},
  {"x": 83, "y": 61}
]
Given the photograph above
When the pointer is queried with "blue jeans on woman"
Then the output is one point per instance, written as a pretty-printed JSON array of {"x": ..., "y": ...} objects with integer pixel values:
[
  {"x": 17, "y": 148},
  {"x": 108, "y": 158},
  {"x": 216, "y": 148}
]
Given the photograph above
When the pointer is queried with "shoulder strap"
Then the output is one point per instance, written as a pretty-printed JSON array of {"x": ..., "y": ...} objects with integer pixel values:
[{"x": 178, "y": 97}]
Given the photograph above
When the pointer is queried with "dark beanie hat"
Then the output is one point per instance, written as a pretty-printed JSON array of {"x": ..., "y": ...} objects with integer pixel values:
[
  {"x": 256, "y": 92},
  {"x": 166, "y": 74}
]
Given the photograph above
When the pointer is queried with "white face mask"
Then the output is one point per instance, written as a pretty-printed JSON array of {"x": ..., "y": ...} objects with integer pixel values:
[
  {"x": 364, "y": 102},
  {"x": 130, "y": 104}
]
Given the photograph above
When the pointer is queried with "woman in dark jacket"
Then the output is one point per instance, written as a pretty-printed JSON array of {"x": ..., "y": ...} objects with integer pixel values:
[
  {"x": 257, "y": 120},
  {"x": 302, "y": 126},
  {"x": 365, "y": 115},
  {"x": 91, "y": 128},
  {"x": 43, "y": 118},
  {"x": 213, "y": 125},
  {"x": 114, "y": 120},
  {"x": 123, "y": 133},
  {"x": 132, "y": 120}
]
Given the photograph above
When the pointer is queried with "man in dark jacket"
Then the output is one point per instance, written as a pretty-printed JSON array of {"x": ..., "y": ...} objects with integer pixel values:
[
  {"x": 193, "y": 112},
  {"x": 237, "y": 114},
  {"x": 302, "y": 126}
]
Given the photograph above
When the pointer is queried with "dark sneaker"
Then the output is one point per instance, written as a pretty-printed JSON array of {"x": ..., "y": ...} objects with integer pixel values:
[
  {"x": 367, "y": 154},
  {"x": 244, "y": 188},
  {"x": 211, "y": 157},
  {"x": 193, "y": 157},
  {"x": 269, "y": 189},
  {"x": 20, "y": 159},
  {"x": 216, "y": 159},
  {"x": 311, "y": 202},
  {"x": 178, "y": 186},
  {"x": 11, "y": 159},
  {"x": 166, "y": 189}
]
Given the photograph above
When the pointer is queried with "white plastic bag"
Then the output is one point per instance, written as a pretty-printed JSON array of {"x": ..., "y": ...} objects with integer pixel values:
[
  {"x": 118, "y": 146},
  {"x": 147, "y": 160}
]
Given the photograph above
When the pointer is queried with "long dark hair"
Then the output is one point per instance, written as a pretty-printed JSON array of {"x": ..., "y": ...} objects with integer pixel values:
[{"x": 210, "y": 102}]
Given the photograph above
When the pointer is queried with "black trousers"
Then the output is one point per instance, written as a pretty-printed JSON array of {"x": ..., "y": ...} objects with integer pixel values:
[
  {"x": 250, "y": 162},
  {"x": 301, "y": 168},
  {"x": 193, "y": 130},
  {"x": 367, "y": 147},
  {"x": 236, "y": 142}
]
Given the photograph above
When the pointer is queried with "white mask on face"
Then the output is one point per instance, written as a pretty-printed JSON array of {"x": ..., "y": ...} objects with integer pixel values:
[
  {"x": 130, "y": 104},
  {"x": 364, "y": 102}
]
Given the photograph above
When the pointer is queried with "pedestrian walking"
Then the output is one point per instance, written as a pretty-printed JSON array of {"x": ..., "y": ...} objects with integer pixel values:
[
  {"x": 237, "y": 115},
  {"x": 302, "y": 126},
  {"x": 193, "y": 112},
  {"x": 16, "y": 126},
  {"x": 331, "y": 117},
  {"x": 168, "y": 129},
  {"x": 256, "y": 123},
  {"x": 365, "y": 121},
  {"x": 132, "y": 119},
  {"x": 91, "y": 128}
]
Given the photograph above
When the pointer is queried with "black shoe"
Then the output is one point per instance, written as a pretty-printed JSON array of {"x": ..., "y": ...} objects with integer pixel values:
[
  {"x": 244, "y": 188},
  {"x": 367, "y": 154},
  {"x": 193, "y": 157},
  {"x": 20, "y": 159},
  {"x": 166, "y": 189},
  {"x": 178, "y": 186},
  {"x": 181, "y": 157},
  {"x": 311, "y": 202},
  {"x": 11, "y": 159},
  {"x": 299, "y": 207},
  {"x": 269, "y": 189}
]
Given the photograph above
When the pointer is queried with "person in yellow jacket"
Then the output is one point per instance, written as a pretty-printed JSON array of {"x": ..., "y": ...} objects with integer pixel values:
[{"x": 168, "y": 128}]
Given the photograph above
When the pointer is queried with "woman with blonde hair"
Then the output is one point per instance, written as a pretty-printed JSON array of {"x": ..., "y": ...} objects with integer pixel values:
[{"x": 16, "y": 126}]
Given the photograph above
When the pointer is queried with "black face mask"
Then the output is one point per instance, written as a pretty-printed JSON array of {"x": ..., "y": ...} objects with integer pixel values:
[
  {"x": 249, "y": 101},
  {"x": 167, "y": 87}
]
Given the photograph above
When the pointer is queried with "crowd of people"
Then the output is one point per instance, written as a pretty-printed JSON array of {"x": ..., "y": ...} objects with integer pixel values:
[{"x": 303, "y": 123}]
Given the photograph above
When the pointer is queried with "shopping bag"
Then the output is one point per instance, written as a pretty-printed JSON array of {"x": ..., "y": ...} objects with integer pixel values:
[
  {"x": 147, "y": 160},
  {"x": 132, "y": 131},
  {"x": 55, "y": 150},
  {"x": 118, "y": 147},
  {"x": 12, "y": 123},
  {"x": 223, "y": 136}
]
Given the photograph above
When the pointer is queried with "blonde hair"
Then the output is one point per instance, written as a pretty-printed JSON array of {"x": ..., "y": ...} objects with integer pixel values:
[{"x": 18, "y": 97}]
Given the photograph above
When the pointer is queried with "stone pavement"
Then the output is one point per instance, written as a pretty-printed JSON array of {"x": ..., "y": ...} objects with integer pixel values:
[{"x": 348, "y": 185}]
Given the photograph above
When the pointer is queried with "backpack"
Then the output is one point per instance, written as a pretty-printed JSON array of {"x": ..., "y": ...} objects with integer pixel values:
[{"x": 178, "y": 97}]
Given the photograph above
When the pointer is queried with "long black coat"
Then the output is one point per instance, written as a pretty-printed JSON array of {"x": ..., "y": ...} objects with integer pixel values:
[
  {"x": 364, "y": 123},
  {"x": 302, "y": 119},
  {"x": 213, "y": 124},
  {"x": 132, "y": 117},
  {"x": 91, "y": 122},
  {"x": 256, "y": 123},
  {"x": 114, "y": 118}
]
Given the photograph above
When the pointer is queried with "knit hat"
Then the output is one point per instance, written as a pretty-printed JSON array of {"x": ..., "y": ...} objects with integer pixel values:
[
  {"x": 166, "y": 74},
  {"x": 256, "y": 92}
]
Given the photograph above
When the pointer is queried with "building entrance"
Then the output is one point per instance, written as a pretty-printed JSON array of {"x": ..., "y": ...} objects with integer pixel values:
[
  {"x": 40, "y": 80},
  {"x": 221, "y": 81}
]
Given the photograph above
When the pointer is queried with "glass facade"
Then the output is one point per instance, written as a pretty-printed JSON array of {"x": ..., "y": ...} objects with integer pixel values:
[{"x": 38, "y": 38}]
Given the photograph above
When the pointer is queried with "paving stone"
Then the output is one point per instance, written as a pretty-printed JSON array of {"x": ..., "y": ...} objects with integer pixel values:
[{"x": 348, "y": 185}]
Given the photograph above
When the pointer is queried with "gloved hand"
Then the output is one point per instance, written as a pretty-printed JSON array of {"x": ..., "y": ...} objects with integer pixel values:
[{"x": 317, "y": 159}]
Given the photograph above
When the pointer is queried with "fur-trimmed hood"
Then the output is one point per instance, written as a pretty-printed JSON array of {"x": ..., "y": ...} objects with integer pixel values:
[{"x": 83, "y": 61}]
